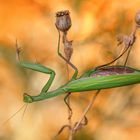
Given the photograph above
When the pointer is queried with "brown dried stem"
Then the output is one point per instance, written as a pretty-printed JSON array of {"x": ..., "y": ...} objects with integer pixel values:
[{"x": 79, "y": 124}]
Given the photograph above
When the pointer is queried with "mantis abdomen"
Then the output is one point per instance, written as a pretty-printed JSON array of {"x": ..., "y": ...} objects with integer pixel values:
[{"x": 109, "y": 77}]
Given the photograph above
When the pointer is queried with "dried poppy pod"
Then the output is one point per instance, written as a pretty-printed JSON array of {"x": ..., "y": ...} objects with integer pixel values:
[
  {"x": 63, "y": 21},
  {"x": 137, "y": 18}
]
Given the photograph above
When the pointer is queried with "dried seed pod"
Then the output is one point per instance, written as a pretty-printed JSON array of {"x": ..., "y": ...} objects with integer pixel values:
[
  {"x": 68, "y": 50},
  {"x": 137, "y": 18},
  {"x": 63, "y": 21}
]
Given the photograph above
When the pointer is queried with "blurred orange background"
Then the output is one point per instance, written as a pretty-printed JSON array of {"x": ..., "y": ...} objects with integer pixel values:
[{"x": 95, "y": 24}]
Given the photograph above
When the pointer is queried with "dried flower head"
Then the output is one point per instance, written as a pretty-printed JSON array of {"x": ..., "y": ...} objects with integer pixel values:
[
  {"x": 63, "y": 21},
  {"x": 137, "y": 18}
]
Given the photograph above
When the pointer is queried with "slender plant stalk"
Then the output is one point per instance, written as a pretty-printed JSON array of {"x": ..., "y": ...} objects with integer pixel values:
[{"x": 86, "y": 111}]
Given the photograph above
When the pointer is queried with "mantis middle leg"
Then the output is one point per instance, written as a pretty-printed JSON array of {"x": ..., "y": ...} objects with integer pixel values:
[
  {"x": 73, "y": 77},
  {"x": 67, "y": 61}
]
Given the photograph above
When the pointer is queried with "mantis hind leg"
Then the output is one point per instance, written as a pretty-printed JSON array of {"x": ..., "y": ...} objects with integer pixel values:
[
  {"x": 125, "y": 50},
  {"x": 42, "y": 69}
]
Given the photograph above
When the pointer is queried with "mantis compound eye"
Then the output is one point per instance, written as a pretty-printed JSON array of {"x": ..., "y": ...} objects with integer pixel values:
[{"x": 27, "y": 98}]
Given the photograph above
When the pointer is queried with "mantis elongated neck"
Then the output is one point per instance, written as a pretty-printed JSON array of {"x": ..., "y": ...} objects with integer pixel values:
[{"x": 29, "y": 99}]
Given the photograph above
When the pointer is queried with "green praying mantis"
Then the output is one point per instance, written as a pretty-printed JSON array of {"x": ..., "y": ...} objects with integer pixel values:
[
  {"x": 95, "y": 79},
  {"x": 101, "y": 77}
]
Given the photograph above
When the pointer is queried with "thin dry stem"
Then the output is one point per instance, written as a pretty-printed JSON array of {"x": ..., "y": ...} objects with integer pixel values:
[{"x": 85, "y": 112}]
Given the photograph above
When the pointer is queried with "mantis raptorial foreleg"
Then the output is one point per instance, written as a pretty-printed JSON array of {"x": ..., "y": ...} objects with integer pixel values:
[
  {"x": 39, "y": 68},
  {"x": 42, "y": 69}
]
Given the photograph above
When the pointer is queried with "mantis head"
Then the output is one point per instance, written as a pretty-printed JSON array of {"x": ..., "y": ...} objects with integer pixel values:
[{"x": 27, "y": 98}]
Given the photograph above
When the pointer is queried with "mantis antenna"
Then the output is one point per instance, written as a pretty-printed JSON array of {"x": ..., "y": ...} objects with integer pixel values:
[{"x": 24, "y": 105}]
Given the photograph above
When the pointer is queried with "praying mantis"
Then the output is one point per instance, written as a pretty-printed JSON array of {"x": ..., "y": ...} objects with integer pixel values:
[
  {"x": 95, "y": 79},
  {"x": 101, "y": 77},
  {"x": 98, "y": 78}
]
